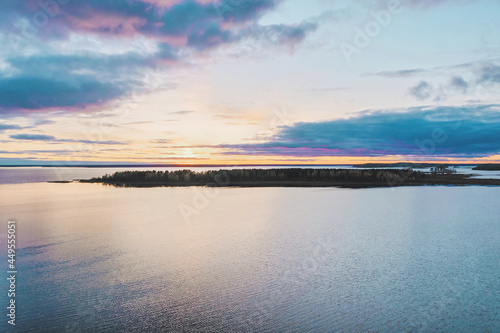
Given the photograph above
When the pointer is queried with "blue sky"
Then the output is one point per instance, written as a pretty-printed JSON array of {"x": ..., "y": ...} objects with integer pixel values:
[{"x": 239, "y": 81}]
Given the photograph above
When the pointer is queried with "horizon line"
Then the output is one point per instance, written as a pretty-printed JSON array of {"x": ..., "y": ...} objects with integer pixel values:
[{"x": 156, "y": 165}]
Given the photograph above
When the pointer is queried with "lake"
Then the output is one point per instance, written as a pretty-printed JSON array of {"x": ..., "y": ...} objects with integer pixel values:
[{"x": 95, "y": 258}]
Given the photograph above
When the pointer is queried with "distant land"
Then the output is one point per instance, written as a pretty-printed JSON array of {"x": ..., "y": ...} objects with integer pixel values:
[
  {"x": 76, "y": 164},
  {"x": 487, "y": 167},
  {"x": 296, "y": 177},
  {"x": 168, "y": 165},
  {"x": 413, "y": 165}
]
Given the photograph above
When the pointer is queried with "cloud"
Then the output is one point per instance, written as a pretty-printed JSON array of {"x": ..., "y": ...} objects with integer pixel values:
[
  {"x": 140, "y": 17},
  {"x": 162, "y": 141},
  {"x": 417, "y": 4},
  {"x": 399, "y": 73},
  {"x": 481, "y": 66},
  {"x": 422, "y": 91},
  {"x": 183, "y": 112},
  {"x": 72, "y": 81},
  {"x": 35, "y": 93},
  {"x": 476, "y": 80},
  {"x": 4, "y": 127},
  {"x": 429, "y": 3},
  {"x": 458, "y": 83},
  {"x": 196, "y": 24},
  {"x": 482, "y": 80},
  {"x": 40, "y": 76},
  {"x": 43, "y": 137},
  {"x": 42, "y": 151},
  {"x": 280, "y": 34},
  {"x": 490, "y": 73},
  {"x": 34, "y": 137},
  {"x": 442, "y": 131}
]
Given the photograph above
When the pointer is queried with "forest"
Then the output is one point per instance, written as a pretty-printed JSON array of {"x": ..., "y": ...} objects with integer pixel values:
[
  {"x": 487, "y": 167},
  {"x": 260, "y": 175}
]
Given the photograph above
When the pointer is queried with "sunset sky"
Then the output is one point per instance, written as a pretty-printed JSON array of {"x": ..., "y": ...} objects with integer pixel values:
[{"x": 249, "y": 82}]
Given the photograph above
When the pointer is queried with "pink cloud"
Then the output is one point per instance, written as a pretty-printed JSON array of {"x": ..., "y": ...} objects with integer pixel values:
[
  {"x": 108, "y": 23},
  {"x": 164, "y": 3}
]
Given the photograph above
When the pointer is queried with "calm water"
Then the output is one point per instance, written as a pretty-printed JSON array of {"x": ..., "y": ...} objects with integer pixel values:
[{"x": 96, "y": 258}]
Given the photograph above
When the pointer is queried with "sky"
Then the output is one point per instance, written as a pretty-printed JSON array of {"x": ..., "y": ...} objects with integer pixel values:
[{"x": 249, "y": 81}]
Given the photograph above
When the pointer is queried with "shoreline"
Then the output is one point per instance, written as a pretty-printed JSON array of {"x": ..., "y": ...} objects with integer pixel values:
[
  {"x": 372, "y": 178},
  {"x": 414, "y": 165}
]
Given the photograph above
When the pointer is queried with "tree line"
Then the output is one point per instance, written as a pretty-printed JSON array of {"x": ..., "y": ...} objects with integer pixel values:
[{"x": 262, "y": 175}]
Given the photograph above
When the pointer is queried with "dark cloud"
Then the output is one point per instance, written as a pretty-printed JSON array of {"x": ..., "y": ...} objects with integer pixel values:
[
  {"x": 69, "y": 81},
  {"x": 97, "y": 63},
  {"x": 445, "y": 131},
  {"x": 33, "y": 93},
  {"x": 43, "y": 122},
  {"x": 45, "y": 82},
  {"x": 4, "y": 127},
  {"x": 275, "y": 34},
  {"x": 37, "y": 137},
  {"x": 43, "y": 137},
  {"x": 204, "y": 25},
  {"x": 79, "y": 81},
  {"x": 43, "y": 151},
  {"x": 490, "y": 73},
  {"x": 210, "y": 36},
  {"x": 422, "y": 91},
  {"x": 458, "y": 83},
  {"x": 93, "y": 142}
]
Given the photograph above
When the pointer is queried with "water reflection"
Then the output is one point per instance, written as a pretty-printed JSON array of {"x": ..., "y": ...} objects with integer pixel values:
[{"x": 106, "y": 259}]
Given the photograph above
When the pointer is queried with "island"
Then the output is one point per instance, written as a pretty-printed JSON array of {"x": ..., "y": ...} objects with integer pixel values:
[
  {"x": 292, "y": 177},
  {"x": 406, "y": 165}
]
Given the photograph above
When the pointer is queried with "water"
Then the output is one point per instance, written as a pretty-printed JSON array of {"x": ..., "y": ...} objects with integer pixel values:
[
  {"x": 95, "y": 258},
  {"x": 480, "y": 174}
]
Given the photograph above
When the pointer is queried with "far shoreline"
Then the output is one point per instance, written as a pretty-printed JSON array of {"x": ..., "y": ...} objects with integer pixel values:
[{"x": 414, "y": 165}]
